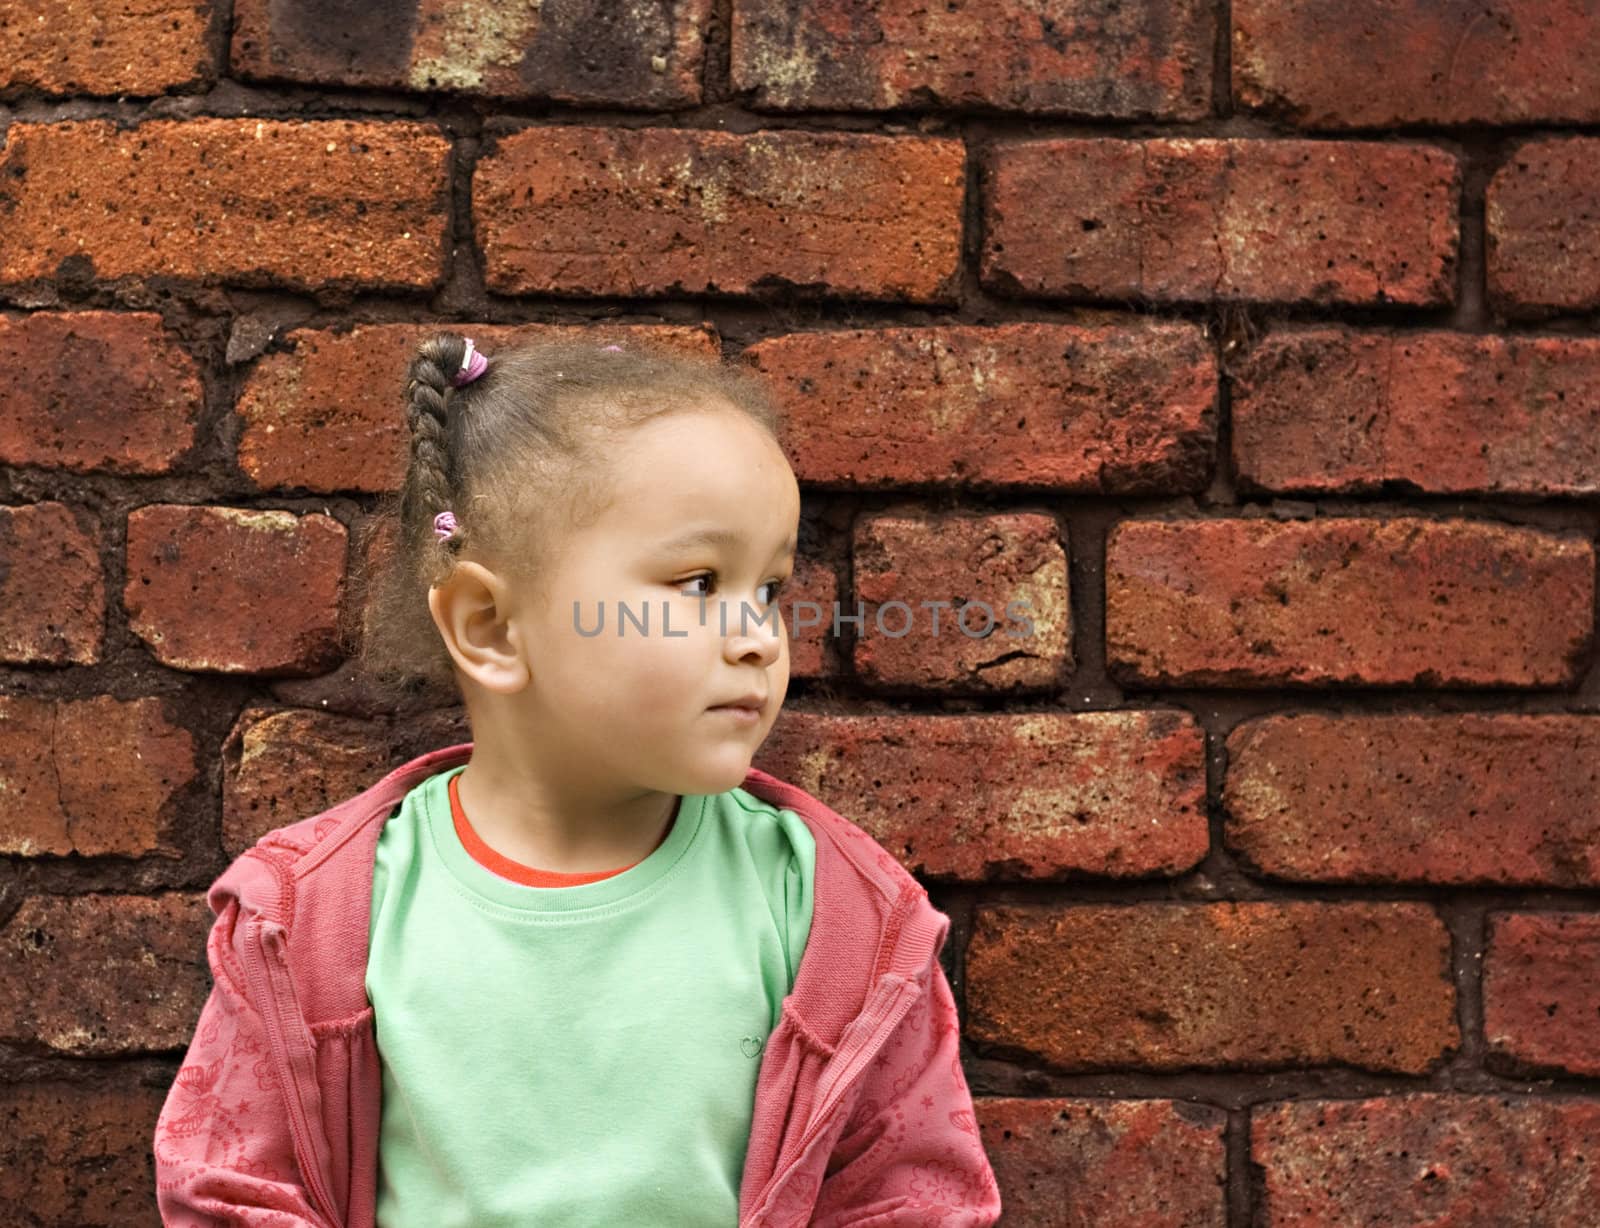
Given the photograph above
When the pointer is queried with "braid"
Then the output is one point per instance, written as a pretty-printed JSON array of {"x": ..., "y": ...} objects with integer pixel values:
[{"x": 429, "y": 488}]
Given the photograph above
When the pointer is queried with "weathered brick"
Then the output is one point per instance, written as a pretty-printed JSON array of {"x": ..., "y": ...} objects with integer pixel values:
[
  {"x": 1440, "y": 798},
  {"x": 52, "y": 592},
  {"x": 1346, "y": 601},
  {"x": 100, "y": 975},
  {"x": 613, "y": 211},
  {"x": 86, "y": 47},
  {"x": 284, "y": 766},
  {"x": 1349, "y": 222},
  {"x": 1111, "y": 409},
  {"x": 373, "y": 538},
  {"x": 328, "y": 413},
  {"x": 235, "y": 590},
  {"x": 1106, "y": 1163},
  {"x": 813, "y": 651},
  {"x": 253, "y": 202},
  {"x": 1468, "y": 1161},
  {"x": 643, "y": 56},
  {"x": 1026, "y": 796},
  {"x": 1323, "y": 64},
  {"x": 1334, "y": 410},
  {"x": 91, "y": 776},
  {"x": 96, "y": 391},
  {"x": 77, "y": 1153},
  {"x": 1169, "y": 986},
  {"x": 1542, "y": 222},
  {"x": 1541, "y": 993},
  {"x": 1013, "y": 563},
  {"x": 352, "y": 688},
  {"x": 1137, "y": 60}
]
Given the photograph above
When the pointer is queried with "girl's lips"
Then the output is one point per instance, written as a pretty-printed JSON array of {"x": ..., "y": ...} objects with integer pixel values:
[{"x": 743, "y": 714}]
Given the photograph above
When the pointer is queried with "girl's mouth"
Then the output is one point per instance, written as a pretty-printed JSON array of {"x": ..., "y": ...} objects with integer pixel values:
[{"x": 739, "y": 712}]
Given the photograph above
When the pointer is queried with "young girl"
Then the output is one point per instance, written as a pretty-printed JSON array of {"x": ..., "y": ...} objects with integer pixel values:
[{"x": 592, "y": 967}]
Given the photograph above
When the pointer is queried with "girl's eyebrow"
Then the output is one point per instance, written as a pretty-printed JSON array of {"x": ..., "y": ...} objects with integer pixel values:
[{"x": 716, "y": 537}]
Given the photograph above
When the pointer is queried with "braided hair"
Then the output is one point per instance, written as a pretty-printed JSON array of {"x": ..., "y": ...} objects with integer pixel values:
[{"x": 431, "y": 484}]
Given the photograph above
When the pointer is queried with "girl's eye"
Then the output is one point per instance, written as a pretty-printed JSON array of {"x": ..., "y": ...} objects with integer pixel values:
[{"x": 689, "y": 590}]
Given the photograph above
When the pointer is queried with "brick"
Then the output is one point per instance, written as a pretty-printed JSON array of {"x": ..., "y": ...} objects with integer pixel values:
[
  {"x": 1110, "y": 1163},
  {"x": 1467, "y": 1161},
  {"x": 638, "y": 56},
  {"x": 327, "y": 413},
  {"x": 93, "y": 776},
  {"x": 575, "y": 210},
  {"x": 284, "y": 766},
  {"x": 1107, "y": 60},
  {"x": 78, "y": 1153},
  {"x": 813, "y": 652},
  {"x": 1029, "y": 796},
  {"x": 1322, "y": 64},
  {"x": 85, "y": 47},
  {"x": 1541, "y": 993},
  {"x": 1164, "y": 987},
  {"x": 374, "y": 536},
  {"x": 104, "y": 975},
  {"x": 352, "y": 688},
  {"x": 1290, "y": 221},
  {"x": 252, "y": 202},
  {"x": 1342, "y": 601},
  {"x": 235, "y": 590},
  {"x": 1542, "y": 226},
  {"x": 96, "y": 391},
  {"x": 52, "y": 592},
  {"x": 1344, "y": 411},
  {"x": 1119, "y": 409},
  {"x": 1464, "y": 798},
  {"x": 1005, "y": 622}
]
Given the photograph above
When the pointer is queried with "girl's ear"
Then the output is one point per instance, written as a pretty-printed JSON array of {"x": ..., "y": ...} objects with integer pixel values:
[{"x": 470, "y": 610}]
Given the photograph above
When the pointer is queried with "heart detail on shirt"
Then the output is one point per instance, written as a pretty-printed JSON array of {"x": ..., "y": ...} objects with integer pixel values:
[{"x": 750, "y": 1045}]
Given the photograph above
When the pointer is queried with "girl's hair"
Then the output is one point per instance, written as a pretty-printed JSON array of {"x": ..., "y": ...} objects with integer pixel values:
[{"x": 520, "y": 457}]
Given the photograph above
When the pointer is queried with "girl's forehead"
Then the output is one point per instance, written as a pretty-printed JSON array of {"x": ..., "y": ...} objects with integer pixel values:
[
  {"x": 724, "y": 512},
  {"x": 750, "y": 506},
  {"x": 694, "y": 456},
  {"x": 697, "y": 427},
  {"x": 716, "y": 535},
  {"x": 714, "y": 469}
]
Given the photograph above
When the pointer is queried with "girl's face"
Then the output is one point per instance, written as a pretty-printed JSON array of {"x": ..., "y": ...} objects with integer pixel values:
[{"x": 635, "y": 636}]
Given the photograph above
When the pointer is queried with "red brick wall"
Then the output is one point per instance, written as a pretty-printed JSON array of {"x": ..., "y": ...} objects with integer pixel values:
[{"x": 1253, "y": 345}]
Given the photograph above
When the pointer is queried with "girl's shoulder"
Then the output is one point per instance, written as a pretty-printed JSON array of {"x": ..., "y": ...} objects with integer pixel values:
[
  {"x": 335, "y": 845},
  {"x": 845, "y": 852}
]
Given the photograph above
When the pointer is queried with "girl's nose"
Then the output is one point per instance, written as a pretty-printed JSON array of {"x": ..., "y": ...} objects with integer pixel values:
[{"x": 758, "y": 636}]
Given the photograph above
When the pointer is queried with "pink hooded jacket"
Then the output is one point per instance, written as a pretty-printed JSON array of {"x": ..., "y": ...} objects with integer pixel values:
[{"x": 862, "y": 1114}]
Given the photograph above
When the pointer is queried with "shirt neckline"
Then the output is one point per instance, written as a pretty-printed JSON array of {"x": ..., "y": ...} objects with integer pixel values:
[
  {"x": 521, "y": 872},
  {"x": 631, "y": 881}
]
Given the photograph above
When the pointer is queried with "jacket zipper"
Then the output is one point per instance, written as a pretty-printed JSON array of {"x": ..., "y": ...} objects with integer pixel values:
[
  {"x": 272, "y": 1001},
  {"x": 858, "y": 1060},
  {"x": 849, "y": 1073}
]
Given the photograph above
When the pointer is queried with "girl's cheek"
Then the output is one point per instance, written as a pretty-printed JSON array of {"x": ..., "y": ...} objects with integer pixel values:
[{"x": 658, "y": 688}]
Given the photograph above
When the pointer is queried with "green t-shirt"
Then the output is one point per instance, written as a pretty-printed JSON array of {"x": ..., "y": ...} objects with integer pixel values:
[{"x": 579, "y": 1055}]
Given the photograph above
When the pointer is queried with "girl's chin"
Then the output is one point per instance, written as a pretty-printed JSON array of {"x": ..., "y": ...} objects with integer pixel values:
[{"x": 727, "y": 772}]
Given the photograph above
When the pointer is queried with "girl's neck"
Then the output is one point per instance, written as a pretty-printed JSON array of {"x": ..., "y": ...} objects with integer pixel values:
[{"x": 522, "y": 812}]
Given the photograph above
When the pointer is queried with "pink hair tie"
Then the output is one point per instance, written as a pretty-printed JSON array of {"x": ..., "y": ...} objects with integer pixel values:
[
  {"x": 473, "y": 364},
  {"x": 618, "y": 348},
  {"x": 444, "y": 524}
]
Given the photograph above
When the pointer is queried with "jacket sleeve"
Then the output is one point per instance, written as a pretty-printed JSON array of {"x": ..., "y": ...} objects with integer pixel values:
[
  {"x": 224, "y": 1154},
  {"x": 910, "y": 1153}
]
